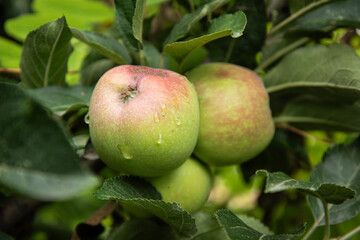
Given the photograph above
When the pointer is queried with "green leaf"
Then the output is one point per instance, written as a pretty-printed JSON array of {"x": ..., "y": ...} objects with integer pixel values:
[
  {"x": 308, "y": 112},
  {"x": 10, "y": 53},
  {"x": 242, "y": 51},
  {"x": 82, "y": 14},
  {"x": 60, "y": 99},
  {"x": 320, "y": 18},
  {"x": 181, "y": 29},
  {"x": 330, "y": 192},
  {"x": 138, "y": 20},
  {"x": 225, "y": 25},
  {"x": 236, "y": 229},
  {"x": 144, "y": 229},
  {"x": 45, "y": 54},
  {"x": 332, "y": 73},
  {"x": 125, "y": 11},
  {"x": 142, "y": 195},
  {"x": 340, "y": 165},
  {"x": 208, "y": 227},
  {"x": 36, "y": 159},
  {"x": 107, "y": 46}
]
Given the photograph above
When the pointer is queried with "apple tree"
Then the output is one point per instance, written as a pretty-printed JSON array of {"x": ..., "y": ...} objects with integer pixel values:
[{"x": 212, "y": 119}]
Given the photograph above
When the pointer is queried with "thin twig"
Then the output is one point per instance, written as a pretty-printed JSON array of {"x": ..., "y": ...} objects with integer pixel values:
[
  {"x": 298, "y": 14},
  {"x": 303, "y": 133},
  {"x": 10, "y": 70},
  {"x": 350, "y": 234}
]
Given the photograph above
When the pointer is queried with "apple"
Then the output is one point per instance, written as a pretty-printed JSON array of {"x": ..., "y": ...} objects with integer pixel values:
[
  {"x": 189, "y": 185},
  {"x": 235, "y": 117},
  {"x": 143, "y": 121}
]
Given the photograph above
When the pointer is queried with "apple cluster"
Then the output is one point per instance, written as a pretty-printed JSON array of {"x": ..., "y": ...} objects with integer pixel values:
[{"x": 149, "y": 122}]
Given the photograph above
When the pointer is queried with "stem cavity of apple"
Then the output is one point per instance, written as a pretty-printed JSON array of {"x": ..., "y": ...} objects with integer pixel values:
[{"x": 128, "y": 94}]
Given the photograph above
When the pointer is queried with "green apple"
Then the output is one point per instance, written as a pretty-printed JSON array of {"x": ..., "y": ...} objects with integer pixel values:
[
  {"x": 143, "y": 121},
  {"x": 235, "y": 117},
  {"x": 189, "y": 185}
]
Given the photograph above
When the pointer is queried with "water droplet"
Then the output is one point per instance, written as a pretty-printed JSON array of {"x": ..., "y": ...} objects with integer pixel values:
[
  {"x": 87, "y": 118},
  {"x": 177, "y": 121},
  {"x": 163, "y": 107},
  {"x": 159, "y": 141},
  {"x": 125, "y": 150},
  {"x": 156, "y": 118}
]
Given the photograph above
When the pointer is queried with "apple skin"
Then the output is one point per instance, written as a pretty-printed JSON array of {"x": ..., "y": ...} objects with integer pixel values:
[
  {"x": 189, "y": 185},
  {"x": 235, "y": 117},
  {"x": 143, "y": 121}
]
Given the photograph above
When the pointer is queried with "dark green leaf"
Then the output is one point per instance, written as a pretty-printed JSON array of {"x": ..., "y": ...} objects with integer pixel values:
[
  {"x": 142, "y": 229},
  {"x": 124, "y": 13},
  {"x": 45, "y": 54},
  {"x": 143, "y": 196},
  {"x": 340, "y": 165},
  {"x": 4, "y": 236},
  {"x": 35, "y": 156},
  {"x": 330, "y": 72},
  {"x": 226, "y": 25},
  {"x": 236, "y": 229},
  {"x": 242, "y": 51},
  {"x": 107, "y": 46},
  {"x": 181, "y": 29},
  {"x": 333, "y": 14},
  {"x": 321, "y": 17},
  {"x": 308, "y": 112},
  {"x": 329, "y": 192},
  {"x": 60, "y": 99},
  {"x": 296, "y": 5}
]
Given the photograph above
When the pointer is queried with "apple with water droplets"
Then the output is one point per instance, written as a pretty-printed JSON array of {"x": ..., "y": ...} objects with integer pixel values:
[
  {"x": 143, "y": 121},
  {"x": 235, "y": 118}
]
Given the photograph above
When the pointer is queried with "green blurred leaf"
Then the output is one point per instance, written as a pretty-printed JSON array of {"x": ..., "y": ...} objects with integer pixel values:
[
  {"x": 4, "y": 236},
  {"x": 124, "y": 19},
  {"x": 236, "y": 229},
  {"x": 194, "y": 59},
  {"x": 142, "y": 195},
  {"x": 82, "y": 14},
  {"x": 332, "y": 73},
  {"x": 45, "y": 54},
  {"x": 152, "y": 55},
  {"x": 107, "y": 46},
  {"x": 308, "y": 112},
  {"x": 60, "y": 99},
  {"x": 10, "y": 53},
  {"x": 35, "y": 156},
  {"x": 329, "y": 192},
  {"x": 225, "y": 25},
  {"x": 138, "y": 20},
  {"x": 340, "y": 165},
  {"x": 181, "y": 29},
  {"x": 144, "y": 229}
]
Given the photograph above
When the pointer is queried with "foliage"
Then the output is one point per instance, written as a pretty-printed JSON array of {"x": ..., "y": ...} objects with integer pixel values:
[{"x": 307, "y": 53}]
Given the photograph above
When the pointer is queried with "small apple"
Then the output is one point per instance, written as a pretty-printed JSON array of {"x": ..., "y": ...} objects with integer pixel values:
[
  {"x": 189, "y": 185},
  {"x": 143, "y": 121},
  {"x": 235, "y": 117}
]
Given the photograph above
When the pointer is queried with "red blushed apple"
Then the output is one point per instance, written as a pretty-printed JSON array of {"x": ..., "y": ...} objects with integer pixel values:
[
  {"x": 235, "y": 117},
  {"x": 143, "y": 121}
]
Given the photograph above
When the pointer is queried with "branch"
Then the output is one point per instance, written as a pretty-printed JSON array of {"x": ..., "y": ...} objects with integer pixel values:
[{"x": 303, "y": 133}]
